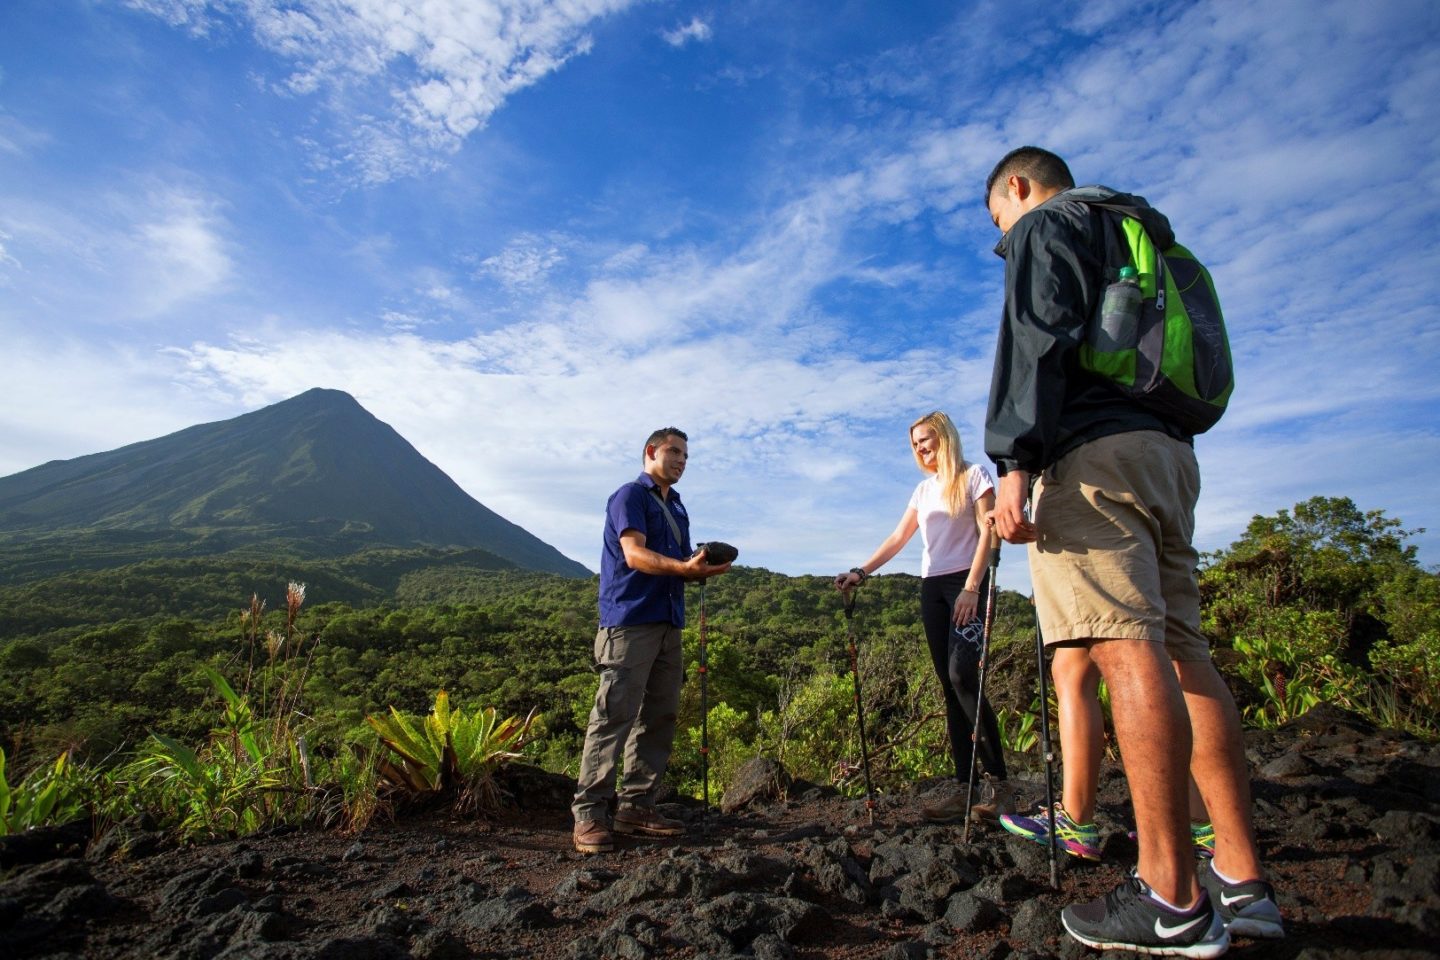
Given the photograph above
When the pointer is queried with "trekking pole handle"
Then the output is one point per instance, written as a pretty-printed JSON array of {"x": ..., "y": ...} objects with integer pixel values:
[{"x": 994, "y": 548}]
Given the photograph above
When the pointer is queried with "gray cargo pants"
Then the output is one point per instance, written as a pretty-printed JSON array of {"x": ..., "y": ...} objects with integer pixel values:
[{"x": 641, "y": 669}]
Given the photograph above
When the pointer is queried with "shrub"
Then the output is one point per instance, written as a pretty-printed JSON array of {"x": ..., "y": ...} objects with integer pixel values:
[{"x": 50, "y": 794}]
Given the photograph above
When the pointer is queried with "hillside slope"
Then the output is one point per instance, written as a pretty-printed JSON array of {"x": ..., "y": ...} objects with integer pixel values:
[{"x": 317, "y": 467}]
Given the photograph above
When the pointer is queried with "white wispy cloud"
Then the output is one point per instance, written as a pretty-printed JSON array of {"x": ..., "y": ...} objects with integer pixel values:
[
  {"x": 197, "y": 16},
  {"x": 184, "y": 249},
  {"x": 7, "y": 262},
  {"x": 697, "y": 30},
  {"x": 67, "y": 396},
  {"x": 130, "y": 252},
  {"x": 525, "y": 262},
  {"x": 404, "y": 84},
  {"x": 18, "y": 138}
]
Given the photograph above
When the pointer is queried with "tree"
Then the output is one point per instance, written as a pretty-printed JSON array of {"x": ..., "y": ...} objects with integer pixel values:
[{"x": 1314, "y": 599}]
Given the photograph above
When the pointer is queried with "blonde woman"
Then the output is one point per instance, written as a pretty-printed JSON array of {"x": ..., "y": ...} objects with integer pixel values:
[{"x": 949, "y": 508}]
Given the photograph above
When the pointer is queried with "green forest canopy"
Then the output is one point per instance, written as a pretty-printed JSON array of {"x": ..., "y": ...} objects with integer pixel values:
[{"x": 1322, "y": 602}]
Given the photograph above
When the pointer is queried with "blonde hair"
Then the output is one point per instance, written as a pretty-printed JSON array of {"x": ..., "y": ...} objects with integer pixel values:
[{"x": 950, "y": 465}]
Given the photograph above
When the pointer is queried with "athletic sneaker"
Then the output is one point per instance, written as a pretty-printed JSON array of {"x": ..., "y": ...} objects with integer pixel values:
[
  {"x": 1202, "y": 838},
  {"x": 1129, "y": 918},
  {"x": 1076, "y": 839},
  {"x": 1248, "y": 909}
]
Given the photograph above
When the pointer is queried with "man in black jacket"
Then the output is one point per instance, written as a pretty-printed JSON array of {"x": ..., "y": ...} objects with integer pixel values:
[{"x": 1112, "y": 562}]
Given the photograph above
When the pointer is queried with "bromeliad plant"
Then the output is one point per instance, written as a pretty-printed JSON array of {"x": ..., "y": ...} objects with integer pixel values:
[{"x": 449, "y": 752}]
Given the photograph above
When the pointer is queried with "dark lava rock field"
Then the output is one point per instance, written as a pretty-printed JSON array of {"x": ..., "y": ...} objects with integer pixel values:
[{"x": 1349, "y": 824}]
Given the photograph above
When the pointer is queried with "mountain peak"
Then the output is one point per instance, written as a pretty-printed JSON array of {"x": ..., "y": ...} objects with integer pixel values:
[{"x": 319, "y": 397}]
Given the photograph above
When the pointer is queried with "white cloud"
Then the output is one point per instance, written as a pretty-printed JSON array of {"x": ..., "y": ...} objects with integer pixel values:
[
  {"x": 65, "y": 398},
  {"x": 134, "y": 252},
  {"x": 193, "y": 14},
  {"x": 697, "y": 30},
  {"x": 6, "y": 260},
  {"x": 17, "y": 138},
  {"x": 525, "y": 262},
  {"x": 184, "y": 250},
  {"x": 405, "y": 83}
]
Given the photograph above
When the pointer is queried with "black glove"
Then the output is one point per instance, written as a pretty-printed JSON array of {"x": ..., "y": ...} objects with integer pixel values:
[{"x": 717, "y": 552}]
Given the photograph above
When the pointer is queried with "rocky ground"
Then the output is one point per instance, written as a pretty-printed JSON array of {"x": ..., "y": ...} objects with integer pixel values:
[{"x": 1349, "y": 822}]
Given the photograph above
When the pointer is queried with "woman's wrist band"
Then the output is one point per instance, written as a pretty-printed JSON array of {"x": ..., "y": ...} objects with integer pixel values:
[
  {"x": 860, "y": 572},
  {"x": 971, "y": 590}
]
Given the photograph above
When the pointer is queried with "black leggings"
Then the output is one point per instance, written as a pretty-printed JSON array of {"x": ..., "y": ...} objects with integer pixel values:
[{"x": 956, "y": 656}]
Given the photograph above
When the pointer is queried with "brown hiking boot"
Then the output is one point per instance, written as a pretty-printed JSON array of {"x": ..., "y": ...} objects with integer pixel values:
[
  {"x": 995, "y": 797},
  {"x": 647, "y": 821},
  {"x": 950, "y": 805},
  {"x": 592, "y": 836}
]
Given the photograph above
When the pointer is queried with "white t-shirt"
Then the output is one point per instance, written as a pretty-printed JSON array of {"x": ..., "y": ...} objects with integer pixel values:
[{"x": 949, "y": 541}]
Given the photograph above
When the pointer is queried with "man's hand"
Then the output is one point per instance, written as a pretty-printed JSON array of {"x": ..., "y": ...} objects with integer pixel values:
[
  {"x": 697, "y": 569},
  {"x": 1009, "y": 514},
  {"x": 642, "y": 558}
]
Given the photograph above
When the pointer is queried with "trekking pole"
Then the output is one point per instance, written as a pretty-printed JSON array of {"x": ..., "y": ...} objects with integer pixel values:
[
  {"x": 704, "y": 721},
  {"x": 1045, "y": 749},
  {"x": 984, "y": 661},
  {"x": 859, "y": 706}
]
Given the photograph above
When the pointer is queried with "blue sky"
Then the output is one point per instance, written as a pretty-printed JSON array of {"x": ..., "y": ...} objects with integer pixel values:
[{"x": 525, "y": 233}]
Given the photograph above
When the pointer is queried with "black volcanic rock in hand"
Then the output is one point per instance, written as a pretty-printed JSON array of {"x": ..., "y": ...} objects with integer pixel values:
[{"x": 718, "y": 552}]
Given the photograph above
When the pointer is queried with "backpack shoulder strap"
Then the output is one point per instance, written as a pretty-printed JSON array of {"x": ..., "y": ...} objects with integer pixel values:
[{"x": 669, "y": 518}]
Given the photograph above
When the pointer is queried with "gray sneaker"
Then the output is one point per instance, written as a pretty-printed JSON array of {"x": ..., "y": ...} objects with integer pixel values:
[
  {"x": 1129, "y": 918},
  {"x": 1248, "y": 909}
]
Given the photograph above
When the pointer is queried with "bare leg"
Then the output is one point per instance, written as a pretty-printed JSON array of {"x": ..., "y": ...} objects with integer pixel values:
[
  {"x": 1154, "y": 734},
  {"x": 1198, "y": 813},
  {"x": 1219, "y": 768},
  {"x": 1082, "y": 728}
]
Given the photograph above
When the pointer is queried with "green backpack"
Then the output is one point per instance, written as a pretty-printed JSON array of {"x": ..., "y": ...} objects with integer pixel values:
[{"x": 1171, "y": 354}]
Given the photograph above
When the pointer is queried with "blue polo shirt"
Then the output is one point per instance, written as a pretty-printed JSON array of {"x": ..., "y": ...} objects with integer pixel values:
[{"x": 629, "y": 597}]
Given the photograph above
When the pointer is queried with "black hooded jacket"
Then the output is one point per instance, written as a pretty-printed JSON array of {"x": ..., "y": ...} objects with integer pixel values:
[{"x": 1059, "y": 257}]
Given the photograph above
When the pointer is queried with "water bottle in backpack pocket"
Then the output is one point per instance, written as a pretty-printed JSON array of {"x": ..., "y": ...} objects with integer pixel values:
[{"x": 1119, "y": 314}]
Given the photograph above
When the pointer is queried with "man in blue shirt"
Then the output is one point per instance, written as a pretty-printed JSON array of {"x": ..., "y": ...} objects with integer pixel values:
[{"x": 646, "y": 561}]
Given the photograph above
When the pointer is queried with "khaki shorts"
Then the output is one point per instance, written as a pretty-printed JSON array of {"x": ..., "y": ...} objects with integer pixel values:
[{"x": 1115, "y": 518}]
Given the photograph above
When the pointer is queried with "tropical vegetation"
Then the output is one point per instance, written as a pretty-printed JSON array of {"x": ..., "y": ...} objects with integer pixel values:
[{"x": 418, "y": 674}]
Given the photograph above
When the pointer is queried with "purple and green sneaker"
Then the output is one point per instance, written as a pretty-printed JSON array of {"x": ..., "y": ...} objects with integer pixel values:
[{"x": 1077, "y": 839}]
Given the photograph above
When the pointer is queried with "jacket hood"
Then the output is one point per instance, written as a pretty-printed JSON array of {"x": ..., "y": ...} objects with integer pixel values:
[{"x": 1156, "y": 224}]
